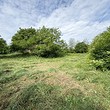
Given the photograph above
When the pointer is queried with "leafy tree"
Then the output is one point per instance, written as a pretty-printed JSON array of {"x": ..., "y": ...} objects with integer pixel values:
[
  {"x": 24, "y": 40},
  {"x": 45, "y": 42},
  {"x": 3, "y": 46},
  {"x": 81, "y": 47},
  {"x": 49, "y": 43},
  {"x": 100, "y": 49}
]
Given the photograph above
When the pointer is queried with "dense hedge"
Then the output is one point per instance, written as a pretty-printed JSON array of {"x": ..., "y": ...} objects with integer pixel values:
[
  {"x": 4, "y": 48},
  {"x": 100, "y": 50}
]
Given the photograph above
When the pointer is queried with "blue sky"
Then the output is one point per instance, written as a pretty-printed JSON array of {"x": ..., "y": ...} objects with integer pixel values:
[{"x": 78, "y": 19}]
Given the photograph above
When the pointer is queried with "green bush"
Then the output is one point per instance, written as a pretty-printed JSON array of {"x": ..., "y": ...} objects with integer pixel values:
[
  {"x": 49, "y": 43},
  {"x": 44, "y": 42},
  {"x": 49, "y": 51},
  {"x": 81, "y": 47},
  {"x": 4, "y": 48},
  {"x": 100, "y": 49},
  {"x": 98, "y": 64}
]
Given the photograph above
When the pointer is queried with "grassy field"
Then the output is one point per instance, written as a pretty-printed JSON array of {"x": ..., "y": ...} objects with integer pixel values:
[{"x": 67, "y": 83}]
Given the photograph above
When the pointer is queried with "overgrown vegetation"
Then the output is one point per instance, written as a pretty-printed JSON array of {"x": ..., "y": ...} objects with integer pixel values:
[
  {"x": 30, "y": 81},
  {"x": 100, "y": 50},
  {"x": 3, "y": 46},
  {"x": 24, "y": 40},
  {"x": 69, "y": 82},
  {"x": 47, "y": 97},
  {"x": 81, "y": 47},
  {"x": 44, "y": 42}
]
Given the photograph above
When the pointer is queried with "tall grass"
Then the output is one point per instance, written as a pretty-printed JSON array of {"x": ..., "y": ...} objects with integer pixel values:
[
  {"x": 66, "y": 83},
  {"x": 45, "y": 97}
]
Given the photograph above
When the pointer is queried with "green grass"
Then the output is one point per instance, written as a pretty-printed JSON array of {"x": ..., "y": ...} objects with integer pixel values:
[{"x": 66, "y": 83}]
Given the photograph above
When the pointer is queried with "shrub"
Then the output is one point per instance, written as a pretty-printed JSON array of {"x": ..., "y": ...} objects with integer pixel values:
[
  {"x": 3, "y": 46},
  {"x": 44, "y": 42},
  {"x": 100, "y": 49},
  {"x": 81, "y": 47},
  {"x": 49, "y": 51},
  {"x": 49, "y": 43},
  {"x": 71, "y": 50}
]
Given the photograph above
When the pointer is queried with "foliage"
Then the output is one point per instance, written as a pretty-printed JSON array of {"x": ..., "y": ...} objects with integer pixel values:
[
  {"x": 100, "y": 48},
  {"x": 24, "y": 40},
  {"x": 3, "y": 46},
  {"x": 81, "y": 47},
  {"x": 98, "y": 64},
  {"x": 48, "y": 43},
  {"x": 71, "y": 50},
  {"x": 43, "y": 42}
]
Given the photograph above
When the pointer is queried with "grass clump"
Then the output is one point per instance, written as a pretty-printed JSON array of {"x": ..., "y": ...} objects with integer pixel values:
[
  {"x": 12, "y": 77},
  {"x": 46, "y": 97}
]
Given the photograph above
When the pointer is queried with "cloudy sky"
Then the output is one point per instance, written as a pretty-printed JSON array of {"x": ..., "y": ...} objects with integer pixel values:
[{"x": 78, "y": 19}]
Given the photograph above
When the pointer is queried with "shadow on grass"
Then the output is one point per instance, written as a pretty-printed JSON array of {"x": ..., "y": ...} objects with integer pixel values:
[{"x": 18, "y": 55}]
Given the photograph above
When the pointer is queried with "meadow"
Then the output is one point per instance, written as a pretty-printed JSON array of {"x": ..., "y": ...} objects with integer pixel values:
[{"x": 64, "y": 83}]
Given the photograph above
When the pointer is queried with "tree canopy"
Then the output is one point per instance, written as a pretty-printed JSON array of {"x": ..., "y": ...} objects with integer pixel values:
[
  {"x": 100, "y": 46},
  {"x": 3, "y": 46},
  {"x": 100, "y": 49},
  {"x": 81, "y": 47},
  {"x": 49, "y": 43},
  {"x": 43, "y": 42},
  {"x": 24, "y": 40}
]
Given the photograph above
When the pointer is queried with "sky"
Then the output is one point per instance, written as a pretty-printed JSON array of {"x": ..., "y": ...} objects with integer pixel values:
[{"x": 78, "y": 19}]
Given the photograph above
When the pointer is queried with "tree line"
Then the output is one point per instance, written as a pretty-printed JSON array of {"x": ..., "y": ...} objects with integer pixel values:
[{"x": 47, "y": 42}]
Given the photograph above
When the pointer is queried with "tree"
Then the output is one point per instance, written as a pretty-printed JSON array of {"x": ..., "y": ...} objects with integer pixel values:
[
  {"x": 24, "y": 40},
  {"x": 45, "y": 42},
  {"x": 3, "y": 46},
  {"x": 71, "y": 45},
  {"x": 49, "y": 43},
  {"x": 100, "y": 49},
  {"x": 81, "y": 47}
]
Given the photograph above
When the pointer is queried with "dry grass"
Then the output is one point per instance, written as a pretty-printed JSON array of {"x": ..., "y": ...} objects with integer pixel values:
[
  {"x": 63, "y": 80},
  {"x": 68, "y": 73}
]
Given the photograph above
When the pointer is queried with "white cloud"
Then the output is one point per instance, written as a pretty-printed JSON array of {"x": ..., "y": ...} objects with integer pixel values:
[{"x": 79, "y": 19}]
